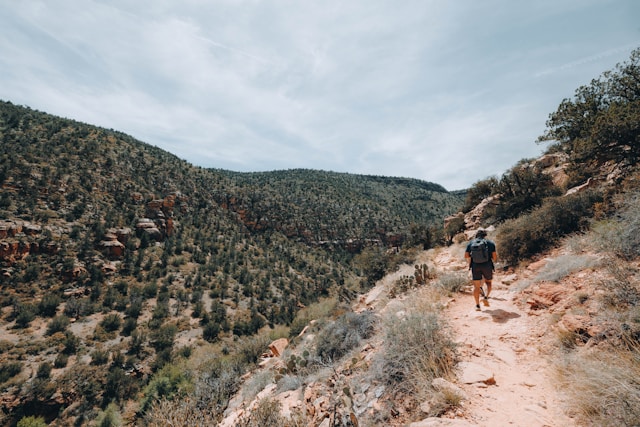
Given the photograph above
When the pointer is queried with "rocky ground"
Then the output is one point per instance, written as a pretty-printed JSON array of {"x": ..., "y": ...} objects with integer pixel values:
[
  {"x": 504, "y": 366},
  {"x": 504, "y": 373}
]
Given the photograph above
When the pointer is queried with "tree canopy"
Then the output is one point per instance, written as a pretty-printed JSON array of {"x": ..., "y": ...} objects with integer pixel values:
[{"x": 601, "y": 122}]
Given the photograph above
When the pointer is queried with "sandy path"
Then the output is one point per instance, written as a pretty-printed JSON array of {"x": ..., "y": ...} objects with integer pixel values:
[{"x": 500, "y": 343}]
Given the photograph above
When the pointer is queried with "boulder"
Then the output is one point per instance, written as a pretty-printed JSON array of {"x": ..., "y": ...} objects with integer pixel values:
[
  {"x": 473, "y": 219},
  {"x": 472, "y": 373},
  {"x": 448, "y": 388},
  {"x": 277, "y": 347}
]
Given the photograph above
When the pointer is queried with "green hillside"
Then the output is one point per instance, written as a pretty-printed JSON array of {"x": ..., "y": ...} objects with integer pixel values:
[{"x": 118, "y": 258}]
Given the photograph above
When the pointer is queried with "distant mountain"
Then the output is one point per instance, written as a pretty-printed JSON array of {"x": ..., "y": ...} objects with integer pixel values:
[{"x": 116, "y": 253}]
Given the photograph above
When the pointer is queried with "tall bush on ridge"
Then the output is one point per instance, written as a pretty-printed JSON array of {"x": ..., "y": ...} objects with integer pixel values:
[
  {"x": 532, "y": 233},
  {"x": 523, "y": 188},
  {"x": 479, "y": 191},
  {"x": 601, "y": 122}
]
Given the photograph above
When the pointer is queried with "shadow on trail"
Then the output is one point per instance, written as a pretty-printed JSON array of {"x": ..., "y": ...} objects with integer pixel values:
[{"x": 501, "y": 316}]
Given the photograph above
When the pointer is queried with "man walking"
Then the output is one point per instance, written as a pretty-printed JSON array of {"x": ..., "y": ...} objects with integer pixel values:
[{"x": 481, "y": 254}]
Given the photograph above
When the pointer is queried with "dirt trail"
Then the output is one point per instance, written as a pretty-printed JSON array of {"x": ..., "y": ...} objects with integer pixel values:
[{"x": 509, "y": 380}]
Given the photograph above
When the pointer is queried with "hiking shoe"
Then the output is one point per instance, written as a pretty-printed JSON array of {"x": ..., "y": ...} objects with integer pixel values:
[
  {"x": 477, "y": 307},
  {"x": 485, "y": 301}
]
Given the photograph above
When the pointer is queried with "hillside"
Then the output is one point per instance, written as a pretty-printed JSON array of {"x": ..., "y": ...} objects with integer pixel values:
[
  {"x": 117, "y": 254},
  {"x": 140, "y": 290}
]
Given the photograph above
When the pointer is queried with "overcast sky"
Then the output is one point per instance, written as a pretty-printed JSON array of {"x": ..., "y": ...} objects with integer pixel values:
[{"x": 448, "y": 91}]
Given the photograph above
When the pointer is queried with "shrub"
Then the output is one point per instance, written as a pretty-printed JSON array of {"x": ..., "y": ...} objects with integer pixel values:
[
  {"x": 338, "y": 338},
  {"x": 129, "y": 325},
  {"x": 110, "y": 417},
  {"x": 453, "y": 282},
  {"x": 256, "y": 383},
  {"x": 418, "y": 349},
  {"x": 210, "y": 331},
  {"x": 250, "y": 349},
  {"x": 218, "y": 380},
  {"x": 167, "y": 382},
  {"x": 265, "y": 413},
  {"x": 57, "y": 324},
  {"x": 119, "y": 386},
  {"x": 455, "y": 226},
  {"x": 564, "y": 265},
  {"x": 99, "y": 357},
  {"x": 32, "y": 421},
  {"x": 478, "y": 192},
  {"x": 25, "y": 315},
  {"x": 530, "y": 234},
  {"x": 622, "y": 235},
  {"x": 44, "y": 371},
  {"x": 9, "y": 370},
  {"x": 150, "y": 290},
  {"x": 315, "y": 311},
  {"x": 163, "y": 337},
  {"x": 71, "y": 343},
  {"x": 48, "y": 305},
  {"x": 604, "y": 387},
  {"x": 621, "y": 286},
  {"x": 184, "y": 412},
  {"x": 111, "y": 322},
  {"x": 61, "y": 361},
  {"x": 523, "y": 188}
]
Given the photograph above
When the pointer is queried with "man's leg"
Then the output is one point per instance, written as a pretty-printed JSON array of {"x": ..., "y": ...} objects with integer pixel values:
[
  {"x": 486, "y": 294},
  {"x": 476, "y": 291}
]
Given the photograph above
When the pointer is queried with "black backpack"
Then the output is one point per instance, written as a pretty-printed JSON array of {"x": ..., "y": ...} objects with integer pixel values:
[{"x": 479, "y": 251}]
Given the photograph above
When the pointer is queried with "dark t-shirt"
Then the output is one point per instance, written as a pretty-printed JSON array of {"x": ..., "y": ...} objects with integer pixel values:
[{"x": 490, "y": 246}]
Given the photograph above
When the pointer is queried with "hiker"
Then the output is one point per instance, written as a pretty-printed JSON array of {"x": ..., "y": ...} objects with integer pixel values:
[{"x": 481, "y": 254}]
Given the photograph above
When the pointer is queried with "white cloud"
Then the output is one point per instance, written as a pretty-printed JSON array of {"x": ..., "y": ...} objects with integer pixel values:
[{"x": 437, "y": 90}]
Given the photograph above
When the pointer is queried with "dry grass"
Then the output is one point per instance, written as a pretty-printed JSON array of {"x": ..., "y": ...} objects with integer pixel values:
[
  {"x": 419, "y": 348},
  {"x": 179, "y": 413},
  {"x": 563, "y": 266},
  {"x": 604, "y": 387},
  {"x": 452, "y": 282}
]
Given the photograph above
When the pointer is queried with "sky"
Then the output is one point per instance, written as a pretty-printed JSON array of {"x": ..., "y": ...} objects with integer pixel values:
[{"x": 446, "y": 91}]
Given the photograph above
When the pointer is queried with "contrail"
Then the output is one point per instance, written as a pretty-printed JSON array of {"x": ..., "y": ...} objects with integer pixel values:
[
  {"x": 586, "y": 60},
  {"x": 232, "y": 49}
]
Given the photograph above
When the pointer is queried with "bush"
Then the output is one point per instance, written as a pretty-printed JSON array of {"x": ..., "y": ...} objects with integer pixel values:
[
  {"x": 184, "y": 412},
  {"x": 111, "y": 322},
  {"x": 57, "y": 324},
  {"x": 48, "y": 305},
  {"x": 453, "y": 282},
  {"x": 218, "y": 379},
  {"x": 32, "y": 421},
  {"x": 564, "y": 265},
  {"x": 167, "y": 382},
  {"x": 265, "y": 413},
  {"x": 210, "y": 331},
  {"x": 418, "y": 349},
  {"x": 523, "y": 188},
  {"x": 25, "y": 315},
  {"x": 71, "y": 343},
  {"x": 604, "y": 387},
  {"x": 621, "y": 286},
  {"x": 9, "y": 370},
  {"x": 61, "y": 361},
  {"x": 530, "y": 234},
  {"x": 250, "y": 349},
  {"x": 622, "y": 235},
  {"x": 338, "y": 338},
  {"x": 110, "y": 417},
  {"x": 44, "y": 371},
  {"x": 99, "y": 357},
  {"x": 478, "y": 192}
]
